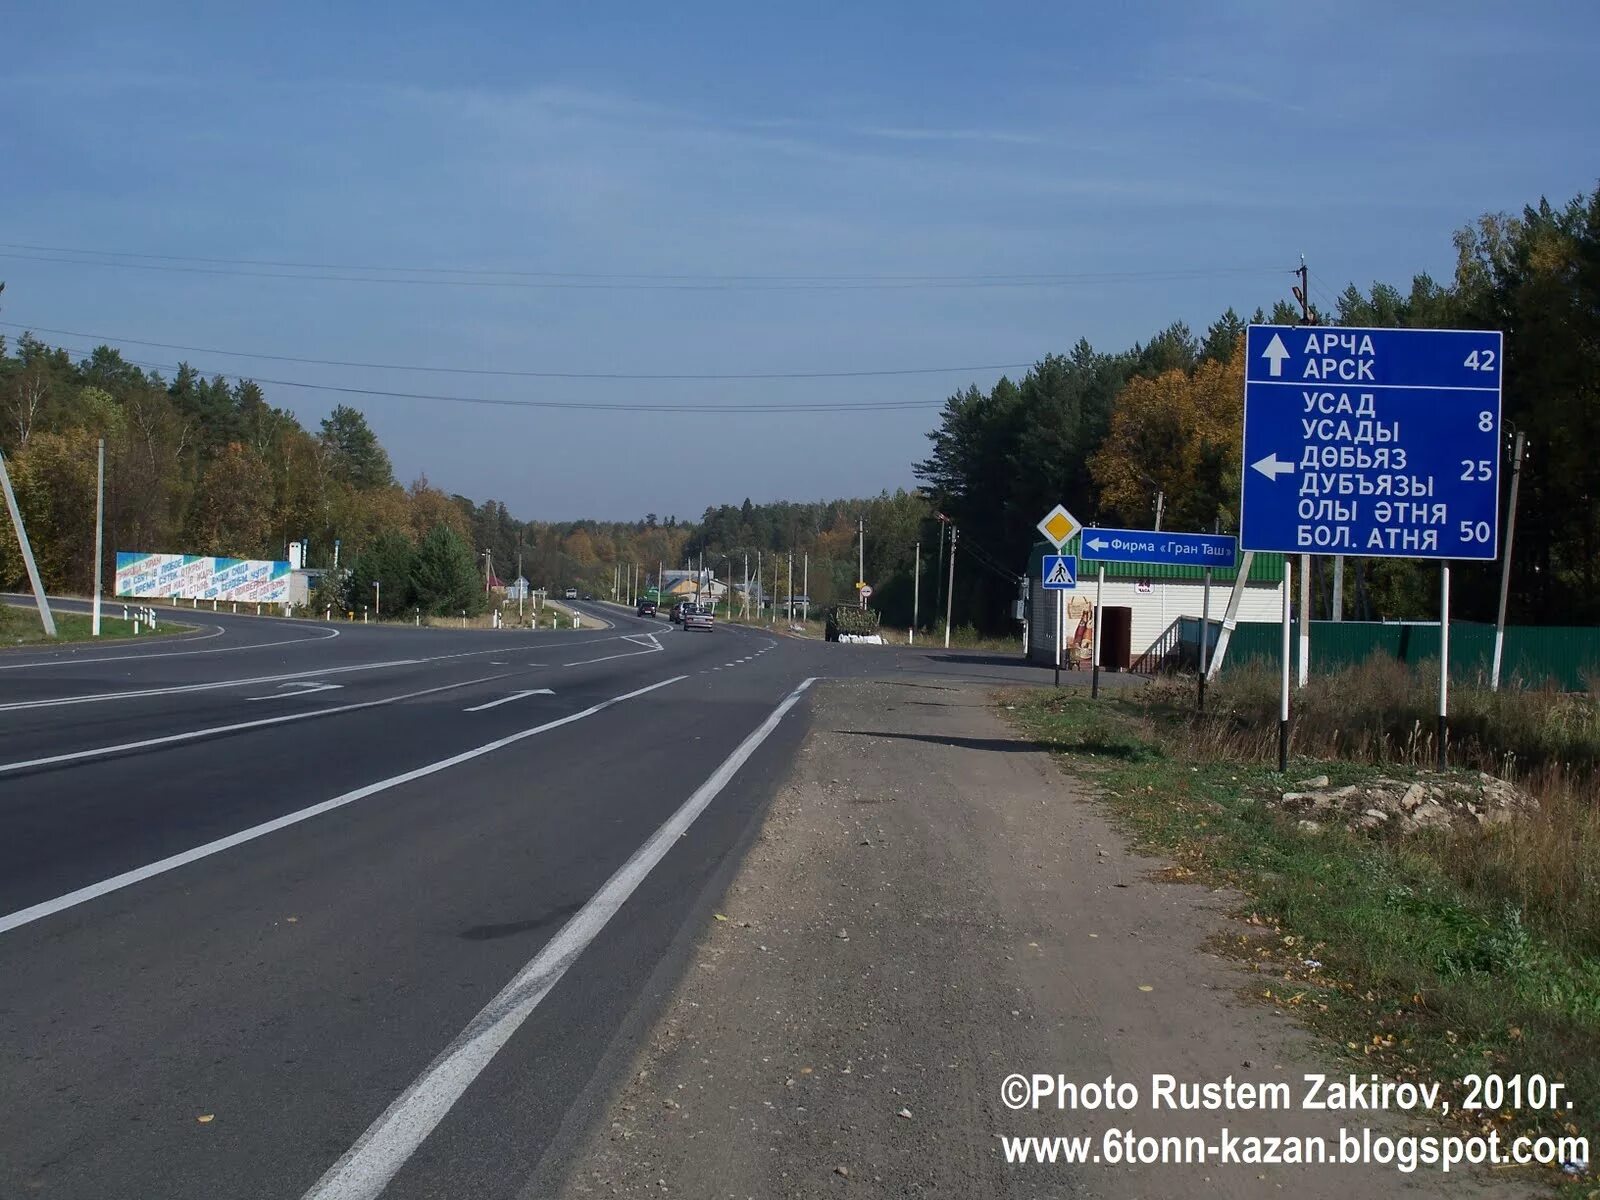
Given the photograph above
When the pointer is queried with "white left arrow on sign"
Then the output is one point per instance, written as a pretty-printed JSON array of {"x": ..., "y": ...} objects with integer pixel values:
[
  {"x": 1096, "y": 543},
  {"x": 1272, "y": 466}
]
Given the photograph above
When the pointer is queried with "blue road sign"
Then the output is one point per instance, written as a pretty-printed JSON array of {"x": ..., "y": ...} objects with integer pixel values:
[
  {"x": 1143, "y": 546},
  {"x": 1381, "y": 443},
  {"x": 1060, "y": 572}
]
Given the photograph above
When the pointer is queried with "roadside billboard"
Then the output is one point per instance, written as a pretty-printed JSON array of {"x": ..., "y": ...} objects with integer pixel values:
[{"x": 193, "y": 577}]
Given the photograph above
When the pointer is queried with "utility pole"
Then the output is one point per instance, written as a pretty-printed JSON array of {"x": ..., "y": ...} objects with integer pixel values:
[
  {"x": 805, "y": 587},
  {"x": 46, "y": 618},
  {"x": 1302, "y": 293},
  {"x": 377, "y": 599},
  {"x": 950, "y": 591},
  {"x": 789, "y": 587},
  {"x": 1161, "y": 504},
  {"x": 1505, "y": 566},
  {"x": 99, "y": 534},
  {"x": 916, "y": 590},
  {"x": 938, "y": 571},
  {"x": 861, "y": 557},
  {"x": 488, "y": 570}
]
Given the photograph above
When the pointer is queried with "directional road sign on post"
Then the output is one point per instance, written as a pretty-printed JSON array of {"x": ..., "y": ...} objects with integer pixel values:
[
  {"x": 1060, "y": 572},
  {"x": 1143, "y": 546},
  {"x": 1381, "y": 443}
]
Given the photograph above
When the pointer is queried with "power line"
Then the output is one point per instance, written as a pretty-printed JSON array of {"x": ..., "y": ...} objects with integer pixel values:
[
  {"x": 601, "y": 375},
  {"x": 420, "y": 277},
  {"x": 600, "y": 275},
  {"x": 577, "y": 405}
]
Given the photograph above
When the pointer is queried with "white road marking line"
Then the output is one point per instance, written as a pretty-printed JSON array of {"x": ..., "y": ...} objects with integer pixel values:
[
  {"x": 180, "y": 689},
  {"x": 236, "y": 727},
  {"x": 368, "y": 1166},
  {"x": 510, "y": 698},
  {"x": 631, "y": 654},
  {"x": 24, "y": 916},
  {"x": 300, "y": 689},
  {"x": 68, "y": 658}
]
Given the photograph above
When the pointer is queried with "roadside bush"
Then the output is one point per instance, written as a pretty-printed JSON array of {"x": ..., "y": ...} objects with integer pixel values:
[{"x": 847, "y": 618}]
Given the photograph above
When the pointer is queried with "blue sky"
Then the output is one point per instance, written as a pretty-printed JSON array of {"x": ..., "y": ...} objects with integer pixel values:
[{"x": 1185, "y": 155}]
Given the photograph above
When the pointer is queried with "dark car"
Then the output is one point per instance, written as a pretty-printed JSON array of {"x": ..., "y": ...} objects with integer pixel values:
[{"x": 647, "y": 608}]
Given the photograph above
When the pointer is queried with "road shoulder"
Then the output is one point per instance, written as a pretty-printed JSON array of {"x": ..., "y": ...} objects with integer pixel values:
[{"x": 930, "y": 907}]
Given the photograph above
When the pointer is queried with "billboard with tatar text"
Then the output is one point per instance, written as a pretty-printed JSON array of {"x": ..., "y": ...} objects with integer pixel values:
[{"x": 192, "y": 577}]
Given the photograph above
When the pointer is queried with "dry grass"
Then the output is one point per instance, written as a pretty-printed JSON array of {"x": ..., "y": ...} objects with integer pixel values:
[{"x": 1382, "y": 713}]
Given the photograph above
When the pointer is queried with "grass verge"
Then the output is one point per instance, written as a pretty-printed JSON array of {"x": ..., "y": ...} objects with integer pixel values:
[
  {"x": 1410, "y": 966},
  {"x": 21, "y": 627}
]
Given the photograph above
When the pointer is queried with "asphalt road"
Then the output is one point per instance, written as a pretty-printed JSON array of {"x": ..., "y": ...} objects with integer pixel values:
[{"x": 292, "y": 909}]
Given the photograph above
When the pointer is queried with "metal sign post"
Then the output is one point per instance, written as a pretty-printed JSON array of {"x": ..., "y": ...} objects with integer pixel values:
[
  {"x": 1283, "y": 692},
  {"x": 1094, "y": 635},
  {"x": 1061, "y": 625},
  {"x": 1444, "y": 660},
  {"x": 1205, "y": 639}
]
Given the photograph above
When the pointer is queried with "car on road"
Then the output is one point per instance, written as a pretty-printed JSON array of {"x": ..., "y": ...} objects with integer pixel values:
[
  {"x": 572, "y": 593},
  {"x": 697, "y": 618},
  {"x": 647, "y": 608},
  {"x": 680, "y": 609}
]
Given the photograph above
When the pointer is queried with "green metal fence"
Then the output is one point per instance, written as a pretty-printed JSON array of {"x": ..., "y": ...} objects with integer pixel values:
[{"x": 1535, "y": 656}]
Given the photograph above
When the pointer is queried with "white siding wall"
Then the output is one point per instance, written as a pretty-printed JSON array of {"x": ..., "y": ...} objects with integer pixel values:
[{"x": 1153, "y": 611}]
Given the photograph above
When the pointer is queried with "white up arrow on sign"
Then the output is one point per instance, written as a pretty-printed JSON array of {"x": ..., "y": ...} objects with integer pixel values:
[
  {"x": 1276, "y": 352},
  {"x": 1272, "y": 467}
]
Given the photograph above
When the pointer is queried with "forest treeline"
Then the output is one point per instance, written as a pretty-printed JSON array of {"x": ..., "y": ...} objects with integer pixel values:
[{"x": 210, "y": 466}]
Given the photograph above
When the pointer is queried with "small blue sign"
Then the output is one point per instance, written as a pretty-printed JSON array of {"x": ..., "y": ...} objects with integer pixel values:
[
  {"x": 1060, "y": 572},
  {"x": 1145, "y": 546},
  {"x": 1380, "y": 443}
]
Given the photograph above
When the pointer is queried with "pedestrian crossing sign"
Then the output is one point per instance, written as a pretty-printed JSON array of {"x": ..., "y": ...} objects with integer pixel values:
[{"x": 1060, "y": 572}]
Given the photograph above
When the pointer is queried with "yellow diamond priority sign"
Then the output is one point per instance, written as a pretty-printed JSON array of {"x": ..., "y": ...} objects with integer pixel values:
[{"x": 1058, "y": 526}]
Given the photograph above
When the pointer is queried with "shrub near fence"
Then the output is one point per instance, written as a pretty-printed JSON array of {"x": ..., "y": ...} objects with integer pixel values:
[{"x": 1535, "y": 655}]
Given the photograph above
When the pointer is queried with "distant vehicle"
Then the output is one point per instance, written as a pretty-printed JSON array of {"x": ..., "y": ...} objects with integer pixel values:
[
  {"x": 697, "y": 618},
  {"x": 587, "y": 596},
  {"x": 647, "y": 608},
  {"x": 572, "y": 593},
  {"x": 681, "y": 610}
]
